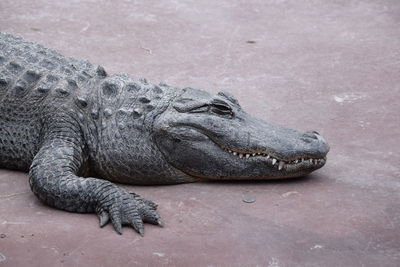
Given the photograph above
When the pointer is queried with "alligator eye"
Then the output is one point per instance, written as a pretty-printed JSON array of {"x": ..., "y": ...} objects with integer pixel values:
[{"x": 221, "y": 109}]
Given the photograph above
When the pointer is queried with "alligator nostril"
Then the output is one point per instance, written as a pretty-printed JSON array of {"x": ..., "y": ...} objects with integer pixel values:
[{"x": 312, "y": 135}]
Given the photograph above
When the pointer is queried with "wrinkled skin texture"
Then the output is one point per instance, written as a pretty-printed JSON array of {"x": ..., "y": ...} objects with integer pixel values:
[{"x": 67, "y": 121}]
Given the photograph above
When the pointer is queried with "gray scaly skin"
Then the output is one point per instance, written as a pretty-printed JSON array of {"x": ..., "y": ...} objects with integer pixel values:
[{"x": 67, "y": 121}]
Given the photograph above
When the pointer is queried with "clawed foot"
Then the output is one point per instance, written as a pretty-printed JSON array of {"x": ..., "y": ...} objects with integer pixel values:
[{"x": 125, "y": 208}]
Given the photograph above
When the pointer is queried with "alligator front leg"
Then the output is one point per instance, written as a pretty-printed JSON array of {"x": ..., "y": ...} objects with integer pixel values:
[{"x": 53, "y": 180}]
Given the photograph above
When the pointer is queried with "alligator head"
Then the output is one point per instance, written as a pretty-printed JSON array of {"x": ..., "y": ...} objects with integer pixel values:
[{"x": 207, "y": 136}]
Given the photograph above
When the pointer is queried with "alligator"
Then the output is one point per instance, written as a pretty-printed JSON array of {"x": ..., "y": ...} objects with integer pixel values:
[{"x": 77, "y": 129}]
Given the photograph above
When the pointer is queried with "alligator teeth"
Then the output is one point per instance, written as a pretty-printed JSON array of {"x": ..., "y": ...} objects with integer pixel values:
[{"x": 281, "y": 164}]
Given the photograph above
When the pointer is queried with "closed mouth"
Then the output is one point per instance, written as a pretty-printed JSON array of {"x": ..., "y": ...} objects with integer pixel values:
[{"x": 280, "y": 164}]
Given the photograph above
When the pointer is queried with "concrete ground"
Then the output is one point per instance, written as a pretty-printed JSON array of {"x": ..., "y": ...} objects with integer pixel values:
[{"x": 330, "y": 66}]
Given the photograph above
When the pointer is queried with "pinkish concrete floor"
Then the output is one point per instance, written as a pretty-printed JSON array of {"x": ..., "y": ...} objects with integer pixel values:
[{"x": 330, "y": 66}]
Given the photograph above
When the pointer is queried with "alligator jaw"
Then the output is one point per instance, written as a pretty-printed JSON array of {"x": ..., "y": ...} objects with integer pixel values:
[{"x": 300, "y": 162}]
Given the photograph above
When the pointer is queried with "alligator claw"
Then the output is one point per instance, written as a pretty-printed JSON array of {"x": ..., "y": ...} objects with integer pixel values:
[
  {"x": 138, "y": 226},
  {"x": 141, "y": 232},
  {"x": 104, "y": 218},
  {"x": 117, "y": 226},
  {"x": 160, "y": 223},
  {"x": 124, "y": 208},
  {"x": 151, "y": 216},
  {"x": 115, "y": 215}
]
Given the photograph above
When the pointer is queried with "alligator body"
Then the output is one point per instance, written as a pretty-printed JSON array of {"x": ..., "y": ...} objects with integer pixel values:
[{"x": 77, "y": 130}]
